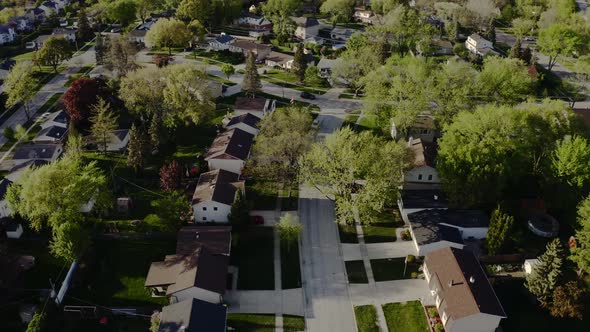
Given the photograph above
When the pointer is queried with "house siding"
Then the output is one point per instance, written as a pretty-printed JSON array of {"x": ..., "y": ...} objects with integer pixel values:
[
  {"x": 421, "y": 175},
  {"x": 4, "y": 209},
  {"x": 475, "y": 323},
  {"x": 219, "y": 216},
  {"x": 231, "y": 165}
]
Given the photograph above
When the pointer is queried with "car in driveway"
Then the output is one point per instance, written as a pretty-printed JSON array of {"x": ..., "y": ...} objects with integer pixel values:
[
  {"x": 307, "y": 95},
  {"x": 256, "y": 220}
]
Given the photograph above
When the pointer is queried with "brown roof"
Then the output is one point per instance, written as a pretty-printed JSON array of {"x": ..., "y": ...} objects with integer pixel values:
[
  {"x": 250, "y": 104},
  {"x": 424, "y": 153},
  {"x": 231, "y": 144},
  {"x": 463, "y": 287},
  {"x": 249, "y": 45},
  {"x": 201, "y": 269},
  {"x": 215, "y": 238},
  {"x": 219, "y": 186}
]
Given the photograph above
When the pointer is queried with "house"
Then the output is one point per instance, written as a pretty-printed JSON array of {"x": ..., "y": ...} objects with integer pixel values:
[
  {"x": 4, "y": 209},
  {"x": 411, "y": 201},
  {"x": 256, "y": 106},
  {"x": 261, "y": 51},
  {"x": 16, "y": 171},
  {"x": 36, "y": 15},
  {"x": 438, "y": 47},
  {"x": 341, "y": 34},
  {"x": 49, "y": 7},
  {"x": 118, "y": 140},
  {"x": 246, "y": 122},
  {"x": 66, "y": 33},
  {"x": 306, "y": 27},
  {"x": 465, "y": 299},
  {"x": 193, "y": 315},
  {"x": 258, "y": 33},
  {"x": 57, "y": 119},
  {"x": 137, "y": 35},
  {"x": 7, "y": 34},
  {"x": 230, "y": 150},
  {"x": 12, "y": 228},
  {"x": 200, "y": 275},
  {"x": 52, "y": 134},
  {"x": 27, "y": 152},
  {"x": 222, "y": 42},
  {"x": 285, "y": 61},
  {"x": 21, "y": 23},
  {"x": 362, "y": 15},
  {"x": 325, "y": 66},
  {"x": 423, "y": 174},
  {"x": 216, "y": 239},
  {"x": 215, "y": 194},
  {"x": 314, "y": 40},
  {"x": 423, "y": 128},
  {"x": 478, "y": 45},
  {"x": 433, "y": 229},
  {"x": 254, "y": 22}
]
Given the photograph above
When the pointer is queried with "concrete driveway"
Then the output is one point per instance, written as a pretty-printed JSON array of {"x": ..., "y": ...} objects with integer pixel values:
[
  {"x": 288, "y": 301},
  {"x": 390, "y": 292}
]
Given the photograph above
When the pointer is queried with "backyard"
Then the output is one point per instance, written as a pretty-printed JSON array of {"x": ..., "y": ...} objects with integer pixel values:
[
  {"x": 393, "y": 269},
  {"x": 384, "y": 229},
  {"x": 406, "y": 317},
  {"x": 254, "y": 256},
  {"x": 366, "y": 318}
]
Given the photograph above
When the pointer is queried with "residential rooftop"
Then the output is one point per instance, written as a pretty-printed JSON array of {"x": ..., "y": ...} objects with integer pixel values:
[
  {"x": 193, "y": 315},
  {"x": 218, "y": 186},
  {"x": 231, "y": 144}
]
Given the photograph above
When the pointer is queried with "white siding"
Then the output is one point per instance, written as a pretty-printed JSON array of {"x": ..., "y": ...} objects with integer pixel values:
[
  {"x": 422, "y": 174},
  {"x": 4, "y": 209},
  {"x": 197, "y": 293},
  {"x": 474, "y": 232},
  {"x": 231, "y": 165},
  {"x": 475, "y": 323},
  {"x": 211, "y": 214}
]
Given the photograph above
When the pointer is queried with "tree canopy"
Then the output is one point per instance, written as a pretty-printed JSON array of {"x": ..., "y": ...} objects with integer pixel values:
[
  {"x": 580, "y": 254},
  {"x": 54, "y": 51},
  {"x": 19, "y": 86},
  {"x": 168, "y": 33}
]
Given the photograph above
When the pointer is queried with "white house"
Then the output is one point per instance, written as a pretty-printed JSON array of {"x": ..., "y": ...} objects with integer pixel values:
[
  {"x": 21, "y": 23},
  {"x": 476, "y": 44},
  {"x": 423, "y": 174},
  {"x": 193, "y": 315},
  {"x": 66, "y": 33},
  {"x": 4, "y": 209},
  {"x": 256, "y": 106},
  {"x": 306, "y": 27},
  {"x": 362, "y": 15},
  {"x": 411, "y": 201},
  {"x": 254, "y": 21},
  {"x": 214, "y": 195},
  {"x": 200, "y": 275},
  {"x": 230, "y": 150},
  {"x": 221, "y": 43},
  {"x": 423, "y": 128},
  {"x": 246, "y": 122},
  {"x": 28, "y": 152},
  {"x": 463, "y": 295},
  {"x": 7, "y": 34}
]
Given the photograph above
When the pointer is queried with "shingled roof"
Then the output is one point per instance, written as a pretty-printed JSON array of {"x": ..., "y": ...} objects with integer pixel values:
[
  {"x": 193, "y": 315},
  {"x": 219, "y": 186},
  {"x": 424, "y": 153},
  {"x": 246, "y": 118},
  {"x": 231, "y": 144},
  {"x": 434, "y": 225}
]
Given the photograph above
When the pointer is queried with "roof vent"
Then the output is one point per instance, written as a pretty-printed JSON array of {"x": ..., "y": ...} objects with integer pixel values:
[
  {"x": 240, "y": 146},
  {"x": 472, "y": 280},
  {"x": 436, "y": 197},
  {"x": 43, "y": 150}
]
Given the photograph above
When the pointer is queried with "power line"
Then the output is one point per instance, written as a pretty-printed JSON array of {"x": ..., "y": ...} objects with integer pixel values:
[{"x": 107, "y": 308}]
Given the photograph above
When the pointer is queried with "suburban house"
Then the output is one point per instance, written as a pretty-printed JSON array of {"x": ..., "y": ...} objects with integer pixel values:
[
  {"x": 16, "y": 171},
  {"x": 423, "y": 175},
  {"x": 423, "y": 128},
  {"x": 7, "y": 34},
  {"x": 137, "y": 35},
  {"x": 201, "y": 275},
  {"x": 12, "y": 228},
  {"x": 217, "y": 239},
  {"x": 52, "y": 134},
  {"x": 36, "y": 14},
  {"x": 254, "y": 21},
  {"x": 476, "y": 44},
  {"x": 411, "y": 201},
  {"x": 50, "y": 7},
  {"x": 4, "y": 209},
  {"x": 230, "y": 150},
  {"x": 66, "y": 33},
  {"x": 306, "y": 27},
  {"x": 214, "y": 195},
  {"x": 193, "y": 315},
  {"x": 58, "y": 119},
  {"x": 221, "y": 43},
  {"x": 261, "y": 51},
  {"x": 20, "y": 23},
  {"x": 256, "y": 106},
  {"x": 465, "y": 299},
  {"x": 118, "y": 140},
  {"x": 433, "y": 229},
  {"x": 341, "y": 34},
  {"x": 27, "y": 152},
  {"x": 362, "y": 15},
  {"x": 325, "y": 66},
  {"x": 285, "y": 61},
  {"x": 246, "y": 122},
  {"x": 314, "y": 40}
]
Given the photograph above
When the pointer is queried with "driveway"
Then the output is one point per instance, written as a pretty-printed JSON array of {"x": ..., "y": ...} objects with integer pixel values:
[
  {"x": 265, "y": 301},
  {"x": 391, "y": 291}
]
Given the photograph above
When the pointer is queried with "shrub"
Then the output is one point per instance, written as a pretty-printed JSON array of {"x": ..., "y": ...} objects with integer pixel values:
[
  {"x": 8, "y": 133},
  {"x": 460, "y": 50},
  {"x": 406, "y": 236},
  {"x": 414, "y": 275},
  {"x": 433, "y": 312},
  {"x": 439, "y": 327},
  {"x": 411, "y": 258}
]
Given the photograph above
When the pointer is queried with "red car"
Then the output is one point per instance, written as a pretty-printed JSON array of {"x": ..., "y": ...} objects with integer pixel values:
[{"x": 256, "y": 220}]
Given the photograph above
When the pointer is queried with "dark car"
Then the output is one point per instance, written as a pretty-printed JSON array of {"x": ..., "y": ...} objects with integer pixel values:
[
  {"x": 256, "y": 220},
  {"x": 307, "y": 95}
]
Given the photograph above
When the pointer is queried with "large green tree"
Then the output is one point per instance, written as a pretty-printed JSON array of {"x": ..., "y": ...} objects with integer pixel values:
[
  {"x": 279, "y": 12},
  {"x": 499, "y": 232},
  {"x": 190, "y": 10},
  {"x": 168, "y": 33},
  {"x": 103, "y": 123},
  {"x": 560, "y": 39},
  {"x": 19, "y": 86},
  {"x": 84, "y": 32},
  {"x": 54, "y": 52},
  {"x": 122, "y": 11},
  {"x": 505, "y": 80},
  {"x": 120, "y": 56},
  {"x": 69, "y": 241},
  {"x": 546, "y": 273},
  {"x": 251, "y": 81},
  {"x": 142, "y": 90},
  {"x": 570, "y": 161},
  {"x": 145, "y": 7},
  {"x": 299, "y": 63},
  {"x": 580, "y": 254},
  {"x": 340, "y": 10},
  {"x": 136, "y": 150}
]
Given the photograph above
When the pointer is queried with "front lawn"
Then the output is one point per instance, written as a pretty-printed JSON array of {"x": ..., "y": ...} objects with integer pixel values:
[
  {"x": 251, "y": 322},
  {"x": 293, "y": 323},
  {"x": 254, "y": 256},
  {"x": 347, "y": 233},
  {"x": 384, "y": 229},
  {"x": 356, "y": 272},
  {"x": 290, "y": 197},
  {"x": 406, "y": 317},
  {"x": 290, "y": 267},
  {"x": 262, "y": 194},
  {"x": 366, "y": 318},
  {"x": 392, "y": 269}
]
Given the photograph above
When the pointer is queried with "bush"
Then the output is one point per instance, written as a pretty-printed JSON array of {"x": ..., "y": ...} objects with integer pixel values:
[
  {"x": 460, "y": 50},
  {"x": 8, "y": 133},
  {"x": 406, "y": 236},
  {"x": 20, "y": 132},
  {"x": 439, "y": 327},
  {"x": 433, "y": 312},
  {"x": 154, "y": 221},
  {"x": 414, "y": 275},
  {"x": 411, "y": 258}
]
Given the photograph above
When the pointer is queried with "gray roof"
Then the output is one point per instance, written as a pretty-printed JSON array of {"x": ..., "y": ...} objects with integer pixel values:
[
  {"x": 246, "y": 118},
  {"x": 4, "y": 183},
  {"x": 120, "y": 134},
  {"x": 423, "y": 199},
  {"x": 218, "y": 186},
  {"x": 193, "y": 316},
  {"x": 53, "y": 132},
  {"x": 233, "y": 143},
  {"x": 222, "y": 39},
  {"x": 32, "y": 163},
  {"x": 427, "y": 228},
  {"x": 305, "y": 22},
  {"x": 36, "y": 151}
]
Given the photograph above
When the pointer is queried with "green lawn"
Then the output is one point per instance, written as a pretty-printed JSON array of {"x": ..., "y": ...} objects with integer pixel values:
[
  {"x": 347, "y": 233},
  {"x": 406, "y": 317},
  {"x": 384, "y": 229},
  {"x": 366, "y": 318},
  {"x": 293, "y": 323},
  {"x": 114, "y": 272},
  {"x": 251, "y": 322},
  {"x": 392, "y": 269},
  {"x": 254, "y": 256},
  {"x": 290, "y": 267},
  {"x": 49, "y": 104},
  {"x": 262, "y": 194},
  {"x": 369, "y": 122},
  {"x": 356, "y": 272}
]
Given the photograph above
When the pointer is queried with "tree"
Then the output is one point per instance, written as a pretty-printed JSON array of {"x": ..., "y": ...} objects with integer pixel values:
[
  {"x": 559, "y": 39},
  {"x": 312, "y": 77},
  {"x": 568, "y": 301},
  {"x": 190, "y": 10},
  {"x": 170, "y": 176},
  {"x": 289, "y": 229},
  {"x": 251, "y": 82},
  {"x": 154, "y": 131},
  {"x": 580, "y": 254},
  {"x": 79, "y": 98},
  {"x": 142, "y": 91},
  {"x": 69, "y": 241},
  {"x": 155, "y": 321},
  {"x": 101, "y": 48},
  {"x": 404, "y": 29},
  {"x": 103, "y": 122},
  {"x": 121, "y": 55},
  {"x": 84, "y": 32},
  {"x": 136, "y": 149},
  {"x": 20, "y": 132},
  {"x": 341, "y": 10},
  {"x": 162, "y": 60},
  {"x": 515, "y": 50},
  {"x": 240, "y": 211},
  {"x": 168, "y": 33},
  {"x": 173, "y": 210},
  {"x": 19, "y": 86},
  {"x": 228, "y": 70},
  {"x": 225, "y": 11},
  {"x": 522, "y": 27},
  {"x": 299, "y": 63},
  {"x": 335, "y": 166},
  {"x": 546, "y": 274},
  {"x": 500, "y": 227},
  {"x": 505, "y": 80},
  {"x": 54, "y": 52},
  {"x": 527, "y": 56},
  {"x": 144, "y": 7},
  {"x": 279, "y": 13},
  {"x": 122, "y": 11},
  {"x": 37, "y": 323},
  {"x": 570, "y": 161}
]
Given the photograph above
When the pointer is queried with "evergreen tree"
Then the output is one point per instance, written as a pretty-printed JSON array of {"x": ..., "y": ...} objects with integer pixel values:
[
  {"x": 527, "y": 56},
  {"x": 104, "y": 122},
  {"x": 84, "y": 32},
  {"x": 581, "y": 252},
  {"x": 240, "y": 212},
  {"x": 299, "y": 63},
  {"x": 545, "y": 276},
  {"x": 136, "y": 149},
  {"x": 251, "y": 83},
  {"x": 500, "y": 226},
  {"x": 101, "y": 48},
  {"x": 154, "y": 131},
  {"x": 515, "y": 51}
]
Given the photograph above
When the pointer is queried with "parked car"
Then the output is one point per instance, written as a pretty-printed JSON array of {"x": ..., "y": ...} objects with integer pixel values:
[
  {"x": 256, "y": 220},
  {"x": 307, "y": 95},
  {"x": 115, "y": 30}
]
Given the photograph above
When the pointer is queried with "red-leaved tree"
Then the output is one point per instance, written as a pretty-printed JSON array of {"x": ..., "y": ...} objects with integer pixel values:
[
  {"x": 79, "y": 97},
  {"x": 170, "y": 176}
]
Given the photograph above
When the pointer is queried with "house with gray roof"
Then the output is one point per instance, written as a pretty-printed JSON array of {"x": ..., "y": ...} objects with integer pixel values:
[
  {"x": 410, "y": 201},
  {"x": 229, "y": 151},
  {"x": 306, "y": 27},
  {"x": 28, "y": 152},
  {"x": 214, "y": 195},
  {"x": 53, "y": 134},
  {"x": 246, "y": 122},
  {"x": 222, "y": 42},
  {"x": 193, "y": 315}
]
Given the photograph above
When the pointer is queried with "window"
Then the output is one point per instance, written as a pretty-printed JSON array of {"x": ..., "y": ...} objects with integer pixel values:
[
  {"x": 430, "y": 177},
  {"x": 204, "y": 218},
  {"x": 215, "y": 208},
  {"x": 419, "y": 176},
  {"x": 204, "y": 208}
]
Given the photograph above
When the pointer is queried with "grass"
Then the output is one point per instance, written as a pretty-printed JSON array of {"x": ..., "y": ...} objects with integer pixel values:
[
  {"x": 221, "y": 80},
  {"x": 114, "y": 272},
  {"x": 392, "y": 269},
  {"x": 46, "y": 266},
  {"x": 366, "y": 318},
  {"x": 356, "y": 272},
  {"x": 290, "y": 197},
  {"x": 384, "y": 229},
  {"x": 290, "y": 267},
  {"x": 407, "y": 317},
  {"x": 251, "y": 322},
  {"x": 262, "y": 194},
  {"x": 347, "y": 233},
  {"x": 369, "y": 122},
  {"x": 254, "y": 256},
  {"x": 293, "y": 323}
]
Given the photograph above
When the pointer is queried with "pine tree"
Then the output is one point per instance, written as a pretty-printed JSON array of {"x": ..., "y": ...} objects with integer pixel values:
[
  {"x": 84, "y": 32},
  {"x": 251, "y": 83},
  {"x": 500, "y": 226},
  {"x": 545, "y": 276},
  {"x": 136, "y": 149},
  {"x": 240, "y": 213},
  {"x": 104, "y": 122},
  {"x": 299, "y": 63},
  {"x": 101, "y": 48},
  {"x": 154, "y": 131},
  {"x": 515, "y": 51},
  {"x": 581, "y": 252}
]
